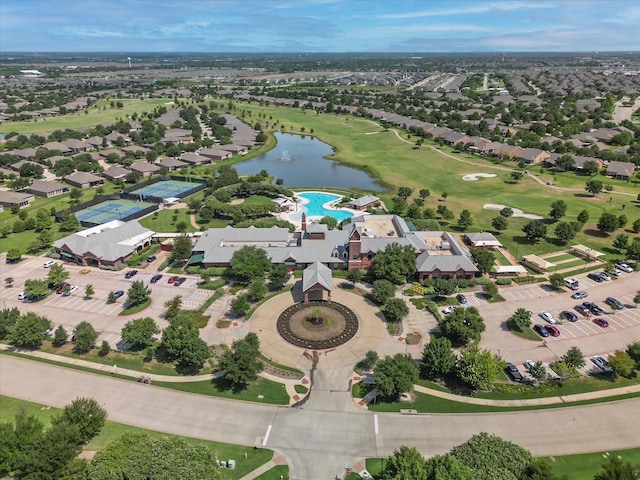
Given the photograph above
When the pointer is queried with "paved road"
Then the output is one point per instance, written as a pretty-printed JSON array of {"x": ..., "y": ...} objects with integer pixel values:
[{"x": 316, "y": 442}]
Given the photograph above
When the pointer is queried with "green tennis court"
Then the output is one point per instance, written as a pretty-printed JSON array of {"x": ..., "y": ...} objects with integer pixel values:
[
  {"x": 110, "y": 210},
  {"x": 165, "y": 189}
]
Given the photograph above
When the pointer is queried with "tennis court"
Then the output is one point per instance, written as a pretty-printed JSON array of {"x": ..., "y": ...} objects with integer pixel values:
[
  {"x": 110, "y": 210},
  {"x": 165, "y": 189}
]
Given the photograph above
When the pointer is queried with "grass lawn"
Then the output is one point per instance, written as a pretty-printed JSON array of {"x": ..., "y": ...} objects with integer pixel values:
[
  {"x": 527, "y": 333},
  {"x": 136, "y": 309},
  {"x": 574, "y": 263},
  {"x": 585, "y": 466},
  {"x": 9, "y": 407},
  {"x": 560, "y": 257},
  {"x": 271, "y": 392},
  {"x": 276, "y": 473},
  {"x": 95, "y": 116},
  {"x": 301, "y": 389},
  {"x": 430, "y": 168},
  {"x": 165, "y": 220},
  {"x": 502, "y": 260}
]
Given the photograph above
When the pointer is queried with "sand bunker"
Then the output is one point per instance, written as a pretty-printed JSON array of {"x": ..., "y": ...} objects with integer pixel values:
[
  {"x": 472, "y": 177},
  {"x": 516, "y": 211}
]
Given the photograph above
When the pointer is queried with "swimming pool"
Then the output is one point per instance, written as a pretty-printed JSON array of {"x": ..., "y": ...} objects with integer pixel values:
[{"x": 314, "y": 206}]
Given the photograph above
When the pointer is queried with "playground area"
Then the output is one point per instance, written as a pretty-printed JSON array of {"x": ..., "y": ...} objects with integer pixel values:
[
  {"x": 110, "y": 210},
  {"x": 165, "y": 189}
]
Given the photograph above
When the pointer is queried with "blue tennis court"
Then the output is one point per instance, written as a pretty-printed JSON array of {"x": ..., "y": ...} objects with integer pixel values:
[
  {"x": 165, "y": 189},
  {"x": 110, "y": 210}
]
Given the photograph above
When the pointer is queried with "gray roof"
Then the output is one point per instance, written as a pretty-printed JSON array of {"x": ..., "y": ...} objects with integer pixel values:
[
  {"x": 171, "y": 162},
  {"x": 43, "y": 186},
  {"x": 316, "y": 274},
  {"x": 620, "y": 168},
  {"x": 194, "y": 158},
  {"x": 83, "y": 177},
  {"x": 144, "y": 167},
  {"x": 110, "y": 242},
  {"x": 116, "y": 171},
  {"x": 363, "y": 201},
  {"x": 14, "y": 197}
]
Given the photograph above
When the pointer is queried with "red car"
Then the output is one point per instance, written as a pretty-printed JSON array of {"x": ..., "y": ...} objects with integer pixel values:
[
  {"x": 583, "y": 310},
  {"x": 173, "y": 279},
  {"x": 61, "y": 287},
  {"x": 553, "y": 331},
  {"x": 601, "y": 322}
]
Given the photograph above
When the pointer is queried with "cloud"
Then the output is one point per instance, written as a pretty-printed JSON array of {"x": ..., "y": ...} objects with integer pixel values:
[{"x": 471, "y": 8}]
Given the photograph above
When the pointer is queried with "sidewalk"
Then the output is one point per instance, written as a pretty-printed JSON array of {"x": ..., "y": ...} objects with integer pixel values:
[{"x": 265, "y": 467}]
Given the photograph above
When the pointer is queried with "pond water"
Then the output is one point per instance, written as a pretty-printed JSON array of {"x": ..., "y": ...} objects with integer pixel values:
[{"x": 298, "y": 161}]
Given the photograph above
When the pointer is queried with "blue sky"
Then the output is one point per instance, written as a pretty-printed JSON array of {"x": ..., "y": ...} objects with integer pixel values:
[{"x": 319, "y": 25}]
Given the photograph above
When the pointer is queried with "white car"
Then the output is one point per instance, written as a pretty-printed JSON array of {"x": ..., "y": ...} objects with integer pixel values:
[
  {"x": 528, "y": 364},
  {"x": 624, "y": 267},
  {"x": 601, "y": 363},
  {"x": 604, "y": 276},
  {"x": 74, "y": 288},
  {"x": 547, "y": 317},
  {"x": 49, "y": 263},
  {"x": 448, "y": 310},
  {"x": 21, "y": 296},
  {"x": 617, "y": 272}
]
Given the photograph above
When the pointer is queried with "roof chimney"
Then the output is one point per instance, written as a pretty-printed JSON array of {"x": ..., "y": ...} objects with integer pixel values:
[{"x": 304, "y": 222}]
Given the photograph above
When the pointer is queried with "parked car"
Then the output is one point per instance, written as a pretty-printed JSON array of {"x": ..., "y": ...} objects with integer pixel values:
[
  {"x": 461, "y": 298},
  {"x": 513, "y": 373},
  {"x": 615, "y": 271},
  {"x": 571, "y": 283},
  {"x": 568, "y": 315},
  {"x": 547, "y": 317},
  {"x": 155, "y": 278},
  {"x": 604, "y": 276},
  {"x": 579, "y": 295},
  {"x": 49, "y": 263},
  {"x": 72, "y": 289},
  {"x": 61, "y": 288},
  {"x": 173, "y": 279},
  {"x": 540, "y": 330},
  {"x": 581, "y": 309},
  {"x": 179, "y": 281},
  {"x": 131, "y": 273},
  {"x": 595, "y": 277},
  {"x": 529, "y": 364},
  {"x": 151, "y": 258},
  {"x": 553, "y": 331},
  {"x": 21, "y": 296},
  {"x": 601, "y": 322},
  {"x": 602, "y": 363},
  {"x": 614, "y": 303},
  {"x": 448, "y": 310},
  {"x": 593, "y": 307},
  {"x": 118, "y": 293},
  {"x": 624, "y": 267}
]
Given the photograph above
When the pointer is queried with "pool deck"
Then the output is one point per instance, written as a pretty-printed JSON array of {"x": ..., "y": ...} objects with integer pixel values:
[{"x": 294, "y": 217}]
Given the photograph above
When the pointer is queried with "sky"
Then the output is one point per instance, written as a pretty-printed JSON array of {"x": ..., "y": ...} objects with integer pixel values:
[{"x": 335, "y": 26}]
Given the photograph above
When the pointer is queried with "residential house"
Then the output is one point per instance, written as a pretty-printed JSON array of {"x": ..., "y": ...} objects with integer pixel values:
[
  {"x": 77, "y": 146},
  {"x": 94, "y": 142},
  {"x": 15, "y": 199},
  {"x": 55, "y": 146},
  {"x": 115, "y": 172},
  {"x": 171, "y": 163},
  {"x": 579, "y": 161},
  {"x": 113, "y": 137},
  {"x": 532, "y": 156},
  {"x": 364, "y": 202},
  {"x": 42, "y": 188},
  {"x": 194, "y": 158},
  {"x": 620, "y": 170},
  {"x": 215, "y": 153},
  {"x": 483, "y": 239},
  {"x": 234, "y": 149},
  {"x": 145, "y": 168},
  {"x": 84, "y": 180}
]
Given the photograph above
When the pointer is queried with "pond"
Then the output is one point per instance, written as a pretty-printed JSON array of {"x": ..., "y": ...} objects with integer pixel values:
[{"x": 298, "y": 161}]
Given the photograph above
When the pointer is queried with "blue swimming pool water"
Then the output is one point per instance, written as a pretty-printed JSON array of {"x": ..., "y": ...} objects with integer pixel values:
[{"x": 315, "y": 206}]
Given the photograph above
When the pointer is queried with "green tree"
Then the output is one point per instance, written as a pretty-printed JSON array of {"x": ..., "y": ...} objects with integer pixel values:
[
  {"x": 111, "y": 298},
  {"x": 608, "y": 223},
  {"x": 43, "y": 219},
  {"x": 8, "y": 318},
  {"x": 489, "y": 456},
  {"x": 182, "y": 343},
  {"x": 622, "y": 221},
  {"x": 84, "y": 413},
  {"x": 615, "y": 468},
  {"x": 395, "y": 310},
  {"x": 490, "y": 290},
  {"x": 137, "y": 294},
  {"x": 574, "y": 358},
  {"x": 521, "y": 318},
  {"x": 621, "y": 242},
  {"x": 535, "y": 230},
  {"x": 13, "y": 255},
  {"x": 89, "y": 292},
  {"x": 405, "y": 192},
  {"x": 539, "y": 469},
  {"x": 465, "y": 220},
  {"x": 438, "y": 358},
  {"x": 278, "y": 276},
  {"x": 16, "y": 438},
  {"x": 60, "y": 336},
  {"x": 462, "y": 326},
  {"x": 182, "y": 249},
  {"x": 424, "y": 193},
  {"x": 443, "y": 287},
  {"x": 382, "y": 291},
  {"x": 500, "y": 223},
  {"x": 369, "y": 361},
  {"x": 583, "y": 217},
  {"x": 29, "y": 330},
  {"x": 564, "y": 232},
  {"x": 257, "y": 289},
  {"x": 38, "y": 289},
  {"x": 68, "y": 222},
  {"x": 594, "y": 187},
  {"x": 483, "y": 258},
  {"x": 635, "y": 226},
  {"x": 590, "y": 167},
  {"x": 181, "y": 227},
  {"x": 405, "y": 463},
  {"x": 354, "y": 275},
  {"x": 444, "y": 467},
  {"x": 395, "y": 375},
  {"x": 249, "y": 263},
  {"x": 621, "y": 363},
  {"x": 556, "y": 280},
  {"x": 153, "y": 457},
  {"x": 75, "y": 194},
  {"x": 396, "y": 264},
  {"x": 516, "y": 175},
  {"x": 558, "y": 209},
  {"x": 537, "y": 371},
  {"x": 633, "y": 250},
  {"x": 506, "y": 212},
  {"x": 172, "y": 307},
  {"x": 633, "y": 349},
  {"x": 57, "y": 274},
  {"x": 330, "y": 222},
  {"x": 84, "y": 337},
  {"x": 140, "y": 332},
  {"x": 240, "y": 305},
  {"x": 242, "y": 364},
  {"x": 478, "y": 367}
]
